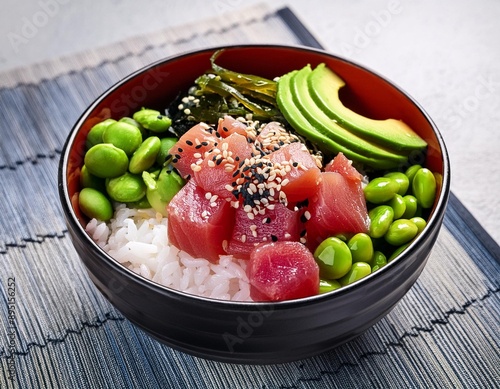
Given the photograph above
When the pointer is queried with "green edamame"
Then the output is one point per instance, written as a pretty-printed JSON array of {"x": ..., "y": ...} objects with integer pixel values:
[
  {"x": 401, "y": 231},
  {"x": 326, "y": 286},
  {"x": 401, "y": 179},
  {"x": 94, "y": 136},
  {"x": 381, "y": 189},
  {"x": 361, "y": 247},
  {"x": 378, "y": 261},
  {"x": 381, "y": 218},
  {"x": 333, "y": 258},
  {"x": 424, "y": 187},
  {"x": 152, "y": 120},
  {"x": 161, "y": 188},
  {"x": 127, "y": 188},
  {"x": 95, "y": 204},
  {"x": 357, "y": 271},
  {"x": 88, "y": 180},
  {"x": 145, "y": 155},
  {"x": 106, "y": 161},
  {"x": 124, "y": 136},
  {"x": 397, "y": 252},
  {"x": 411, "y": 171},
  {"x": 419, "y": 222},
  {"x": 398, "y": 205},
  {"x": 166, "y": 145},
  {"x": 411, "y": 206}
]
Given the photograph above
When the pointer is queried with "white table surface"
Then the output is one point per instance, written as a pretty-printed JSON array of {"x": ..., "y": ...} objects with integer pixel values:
[{"x": 445, "y": 54}]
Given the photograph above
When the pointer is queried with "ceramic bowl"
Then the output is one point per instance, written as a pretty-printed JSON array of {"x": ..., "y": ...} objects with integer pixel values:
[{"x": 246, "y": 332}]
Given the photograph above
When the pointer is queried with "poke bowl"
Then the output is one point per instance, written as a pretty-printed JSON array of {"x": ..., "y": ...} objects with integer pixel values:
[{"x": 336, "y": 185}]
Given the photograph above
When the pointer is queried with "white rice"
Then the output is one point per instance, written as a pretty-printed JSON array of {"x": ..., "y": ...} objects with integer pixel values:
[{"x": 137, "y": 238}]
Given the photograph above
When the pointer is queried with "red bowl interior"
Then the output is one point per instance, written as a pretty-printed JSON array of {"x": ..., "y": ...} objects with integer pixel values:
[{"x": 158, "y": 84}]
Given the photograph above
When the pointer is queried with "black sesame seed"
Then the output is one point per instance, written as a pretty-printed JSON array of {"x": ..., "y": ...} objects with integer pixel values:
[
  {"x": 175, "y": 160},
  {"x": 303, "y": 219},
  {"x": 177, "y": 156},
  {"x": 274, "y": 238},
  {"x": 180, "y": 150},
  {"x": 218, "y": 162},
  {"x": 236, "y": 158},
  {"x": 204, "y": 143},
  {"x": 197, "y": 147},
  {"x": 295, "y": 164},
  {"x": 225, "y": 128},
  {"x": 303, "y": 233},
  {"x": 189, "y": 143}
]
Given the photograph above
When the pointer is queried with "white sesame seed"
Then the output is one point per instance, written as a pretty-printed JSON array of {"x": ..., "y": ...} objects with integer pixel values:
[
  {"x": 250, "y": 215},
  {"x": 243, "y": 238},
  {"x": 211, "y": 163},
  {"x": 307, "y": 215},
  {"x": 195, "y": 167},
  {"x": 197, "y": 155},
  {"x": 187, "y": 111},
  {"x": 285, "y": 181},
  {"x": 287, "y": 236},
  {"x": 208, "y": 195},
  {"x": 214, "y": 198}
]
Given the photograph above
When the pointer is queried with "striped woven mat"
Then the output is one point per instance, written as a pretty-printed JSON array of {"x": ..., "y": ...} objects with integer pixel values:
[{"x": 62, "y": 333}]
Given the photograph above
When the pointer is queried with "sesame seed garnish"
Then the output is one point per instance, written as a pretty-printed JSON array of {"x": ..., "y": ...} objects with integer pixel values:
[
  {"x": 274, "y": 238},
  {"x": 189, "y": 143}
]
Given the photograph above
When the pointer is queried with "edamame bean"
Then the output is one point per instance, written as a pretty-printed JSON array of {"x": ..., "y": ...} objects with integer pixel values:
[
  {"x": 94, "y": 136},
  {"x": 326, "y": 286},
  {"x": 141, "y": 204},
  {"x": 95, "y": 204},
  {"x": 88, "y": 180},
  {"x": 161, "y": 188},
  {"x": 419, "y": 222},
  {"x": 378, "y": 261},
  {"x": 152, "y": 120},
  {"x": 145, "y": 156},
  {"x": 127, "y": 188},
  {"x": 424, "y": 187},
  {"x": 357, "y": 271},
  {"x": 381, "y": 218},
  {"x": 106, "y": 161},
  {"x": 381, "y": 189},
  {"x": 398, "y": 205},
  {"x": 333, "y": 258},
  {"x": 166, "y": 145},
  {"x": 401, "y": 231},
  {"x": 411, "y": 206},
  {"x": 402, "y": 181},
  {"x": 397, "y": 252},
  {"x": 134, "y": 123},
  {"x": 411, "y": 171},
  {"x": 361, "y": 247},
  {"x": 124, "y": 136}
]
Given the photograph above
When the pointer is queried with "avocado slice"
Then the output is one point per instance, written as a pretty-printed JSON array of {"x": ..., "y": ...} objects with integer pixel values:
[
  {"x": 325, "y": 85},
  {"x": 303, "y": 127},
  {"x": 307, "y": 106}
]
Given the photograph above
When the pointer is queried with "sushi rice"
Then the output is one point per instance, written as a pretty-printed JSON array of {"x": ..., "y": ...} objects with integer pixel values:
[{"x": 137, "y": 238}]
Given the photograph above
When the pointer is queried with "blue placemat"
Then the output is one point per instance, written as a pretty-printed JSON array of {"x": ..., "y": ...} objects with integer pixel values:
[{"x": 62, "y": 333}]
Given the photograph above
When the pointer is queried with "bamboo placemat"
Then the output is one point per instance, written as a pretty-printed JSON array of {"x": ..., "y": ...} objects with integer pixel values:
[{"x": 62, "y": 333}]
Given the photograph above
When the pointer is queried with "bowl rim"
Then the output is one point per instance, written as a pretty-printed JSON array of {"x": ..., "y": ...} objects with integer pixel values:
[{"x": 434, "y": 219}]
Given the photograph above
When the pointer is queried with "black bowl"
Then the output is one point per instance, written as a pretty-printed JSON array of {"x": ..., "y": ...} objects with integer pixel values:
[{"x": 246, "y": 332}]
